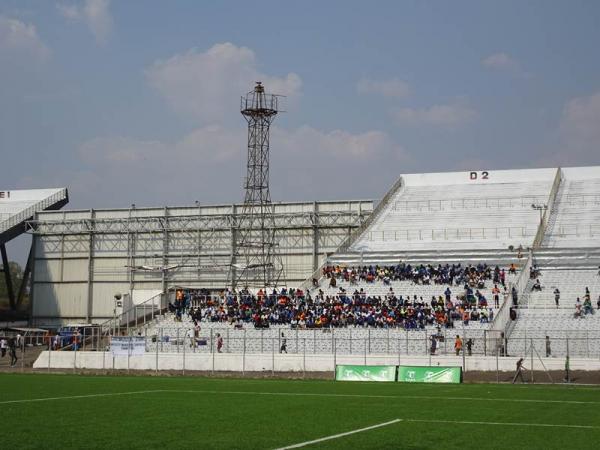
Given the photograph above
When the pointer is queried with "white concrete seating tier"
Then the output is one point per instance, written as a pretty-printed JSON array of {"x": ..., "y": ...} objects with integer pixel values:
[
  {"x": 532, "y": 326},
  {"x": 575, "y": 221},
  {"x": 571, "y": 284},
  {"x": 450, "y": 211},
  {"x": 351, "y": 340},
  {"x": 404, "y": 288}
]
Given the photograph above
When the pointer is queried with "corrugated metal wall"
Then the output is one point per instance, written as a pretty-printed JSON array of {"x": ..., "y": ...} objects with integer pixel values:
[{"x": 78, "y": 269}]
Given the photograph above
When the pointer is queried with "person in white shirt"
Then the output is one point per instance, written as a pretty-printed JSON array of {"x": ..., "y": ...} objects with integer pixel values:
[{"x": 3, "y": 347}]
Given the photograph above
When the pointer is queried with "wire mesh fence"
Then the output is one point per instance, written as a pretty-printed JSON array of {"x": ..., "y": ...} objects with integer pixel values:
[{"x": 344, "y": 341}]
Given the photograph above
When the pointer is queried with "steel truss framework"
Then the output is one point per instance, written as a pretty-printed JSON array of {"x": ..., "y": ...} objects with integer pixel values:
[
  {"x": 256, "y": 261},
  {"x": 92, "y": 254}
]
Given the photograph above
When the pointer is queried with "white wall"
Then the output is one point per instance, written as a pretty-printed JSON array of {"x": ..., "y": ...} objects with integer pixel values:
[{"x": 237, "y": 362}]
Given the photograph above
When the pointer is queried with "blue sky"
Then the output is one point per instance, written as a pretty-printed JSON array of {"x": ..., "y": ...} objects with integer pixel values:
[{"x": 137, "y": 101}]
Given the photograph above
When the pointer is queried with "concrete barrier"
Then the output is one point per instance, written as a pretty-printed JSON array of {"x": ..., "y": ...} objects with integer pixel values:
[{"x": 238, "y": 362}]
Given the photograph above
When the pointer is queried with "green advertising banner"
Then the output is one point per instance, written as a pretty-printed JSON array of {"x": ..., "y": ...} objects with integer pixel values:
[
  {"x": 365, "y": 373},
  {"x": 436, "y": 374}
]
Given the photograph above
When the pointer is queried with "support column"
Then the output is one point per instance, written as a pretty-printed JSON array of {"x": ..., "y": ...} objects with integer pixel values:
[
  {"x": 7, "y": 277},
  {"x": 26, "y": 274},
  {"x": 232, "y": 258},
  {"x": 315, "y": 230},
  {"x": 165, "y": 252},
  {"x": 90, "y": 280}
]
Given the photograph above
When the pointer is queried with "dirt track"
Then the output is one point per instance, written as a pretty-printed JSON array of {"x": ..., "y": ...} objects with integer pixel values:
[{"x": 558, "y": 377}]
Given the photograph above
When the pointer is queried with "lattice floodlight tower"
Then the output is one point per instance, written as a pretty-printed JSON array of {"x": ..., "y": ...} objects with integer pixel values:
[{"x": 256, "y": 260}]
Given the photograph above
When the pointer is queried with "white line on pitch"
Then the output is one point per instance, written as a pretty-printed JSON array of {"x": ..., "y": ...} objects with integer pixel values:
[
  {"x": 399, "y": 397},
  {"x": 516, "y": 424},
  {"x": 336, "y": 436},
  {"x": 69, "y": 397}
]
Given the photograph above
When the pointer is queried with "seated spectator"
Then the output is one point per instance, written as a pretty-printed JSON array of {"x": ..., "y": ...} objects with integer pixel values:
[
  {"x": 537, "y": 286},
  {"x": 587, "y": 306},
  {"x": 578, "y": 309}
]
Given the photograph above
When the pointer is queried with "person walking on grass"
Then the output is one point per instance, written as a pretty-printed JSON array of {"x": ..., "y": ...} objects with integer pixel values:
[
  {"x": 519, "y": 372},
  {"x": 12, "y": 351}
]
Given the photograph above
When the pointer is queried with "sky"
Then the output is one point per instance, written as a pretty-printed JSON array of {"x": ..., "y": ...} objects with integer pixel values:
[{"x": 137, "y": 101}]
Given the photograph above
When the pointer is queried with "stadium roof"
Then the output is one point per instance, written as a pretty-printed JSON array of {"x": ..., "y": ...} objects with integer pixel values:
[{"x": 18, "y": 206}]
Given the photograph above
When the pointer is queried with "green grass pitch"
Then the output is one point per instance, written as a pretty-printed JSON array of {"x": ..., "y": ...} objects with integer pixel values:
[{"x": 69, "y": 411}]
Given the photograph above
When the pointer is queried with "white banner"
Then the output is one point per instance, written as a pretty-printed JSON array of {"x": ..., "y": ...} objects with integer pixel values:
[{"x": 127, "y": 345}]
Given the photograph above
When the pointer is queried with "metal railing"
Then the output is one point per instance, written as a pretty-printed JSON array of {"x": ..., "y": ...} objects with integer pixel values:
[
  {"x": 577, "y": 230},
  {"x": 30, "y": 211},
  {"x": 539, "y": 237},
  {"x": 447, "y": 234},
  {"x": 469, "y": 203},
  {"x": 137, "y": 315}
]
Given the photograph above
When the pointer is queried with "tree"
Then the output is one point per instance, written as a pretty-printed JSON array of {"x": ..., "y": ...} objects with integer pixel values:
[{"x": 16, "y": 273}]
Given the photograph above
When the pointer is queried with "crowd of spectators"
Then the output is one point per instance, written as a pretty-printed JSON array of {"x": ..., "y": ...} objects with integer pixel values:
[{"x": 459, "y": 300}]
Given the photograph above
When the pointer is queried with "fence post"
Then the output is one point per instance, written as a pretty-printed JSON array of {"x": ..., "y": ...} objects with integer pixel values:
[
  {"x": 128, "y": 352},
  {"x": 464, "y": 363},
  {"x": 49, "y": 353},
  {"x": 484, "y": 342},
  {"x": 303, "y": 359},
  {"x": 398, "y": 349},
  {"x": 587, "y": 343},
  {"x": 387, "y": 344},
  {"x": 183, "y": 362},
  {"x": 365, "y": 352},
  {"x": 332, "y": 338},
  {"x": 212, "y": 352},
  {"x": 497, "y": 368},
  {"x": 335, "y": 355},
  {"x": 369, "y": 337},
  {"x": 272, "y": 357},
  {"x": 531, "y": 345},
  {"x": 158, "y": 342},
  {"x": 244, "y": 355}
]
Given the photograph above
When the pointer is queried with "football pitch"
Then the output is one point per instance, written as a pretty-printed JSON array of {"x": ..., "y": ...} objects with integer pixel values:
[{"x": 75, "y": 411}]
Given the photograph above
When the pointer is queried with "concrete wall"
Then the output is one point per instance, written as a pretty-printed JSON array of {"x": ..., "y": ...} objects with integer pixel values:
[{"x": 236, "y": 362}]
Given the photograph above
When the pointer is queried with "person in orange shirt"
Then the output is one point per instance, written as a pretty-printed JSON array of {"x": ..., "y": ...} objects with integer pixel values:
[{"x": 458, "y": 345}]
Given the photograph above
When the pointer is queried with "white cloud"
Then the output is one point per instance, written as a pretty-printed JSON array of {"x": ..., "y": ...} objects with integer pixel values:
[
  {"x": 20, "y": 40},
  {"x": 580, "y": 129},
  {"x": 208, "y": 164},
  {"x": 337, "y": 144},
  {"x": 452, "y": 115},
  {"x": 504, "y": 62},
  {"x": 388, "y": 88},
  {"x": 94, "y": 13},
  {"x": 207, "y": 85}
]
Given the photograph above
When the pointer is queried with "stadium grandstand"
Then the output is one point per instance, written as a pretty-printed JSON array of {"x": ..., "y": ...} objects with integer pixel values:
[
  {"x": 16, "y": 208},
  {"x": 477, "y": 254}
]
